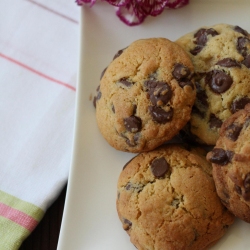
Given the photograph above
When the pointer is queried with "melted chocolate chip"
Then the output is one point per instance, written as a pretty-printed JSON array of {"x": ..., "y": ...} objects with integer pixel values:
[
  {"x": 134, "y": 187},
  {"x": 118, "y": 53},
  {"x": 202, "y": 98},
  {"x": 201, "y": 37},
  {"x": 128, "y": 186},
  {"x": 238, "y": 189},
  {"x": 240, "y": 30},
  {"x": 98, "y": 96},
  {"x": 246, "y": 61},
  {"x": 228, "y": 62},
  {"x": 202, "y": 34},
  {"x": 218, "y": 81},
  {"x": 242, "y": 45},
  {"x": 186, "y": 83},
  {"x": 233, "y": 131},
  {"x": 201, "y": 95},
  {"x": 246, "y": 184},
  {"x": 134, "y": 108},
  {"x": 159, "y": 115},
  {"x": 159, "y": 167},
  {"x": 127, "y": 224},
  {"x": 134, "y": 141},
  {"x": 180, "y": 72},
  {"x": 113, "y": 108},
  {"x": 94, "y": 101},
  {"x": 133, "y": 123},
  {"x": 196, "y": 111},
  {"x": 196, "y": 50},
  {"x": 159, "y": 92},
  {"x": 221, "y": 156},
  {"x": 124, "y": 81},
  {"x": 214, "y": 122},
  {"x": 103, "y": 72},
  {"x": 239, "y": 104}
]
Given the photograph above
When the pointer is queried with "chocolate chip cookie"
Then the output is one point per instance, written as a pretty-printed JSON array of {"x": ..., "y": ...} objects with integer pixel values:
[
  {"x": 145, "y": 95},
  {"x": 221, "y": 58},
  {"x": 167, "y": 200},
  {"x": 231, "y": 163}
]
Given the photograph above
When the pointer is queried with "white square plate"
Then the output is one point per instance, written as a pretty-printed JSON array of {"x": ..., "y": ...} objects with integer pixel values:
[{"x": 90, "y": 220}]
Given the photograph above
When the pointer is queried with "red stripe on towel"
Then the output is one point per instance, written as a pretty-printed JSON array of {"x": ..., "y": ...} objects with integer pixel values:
[
  {"x": 37, "y": 72},
  {"x": 18, "y": 217},
  {"x": 53, "y": 11}
]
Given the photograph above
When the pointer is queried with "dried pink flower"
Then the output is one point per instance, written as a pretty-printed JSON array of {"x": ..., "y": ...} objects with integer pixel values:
[{"x": 134, "y": 12}]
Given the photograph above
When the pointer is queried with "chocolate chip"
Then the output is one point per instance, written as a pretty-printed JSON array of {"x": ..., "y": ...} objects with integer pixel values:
[
  {"x": 228, "y": 62},
  {"x": 186, "y": 83},
  {"x": 159, "y": 92},
  {"x": 118, "y": 53},
  {"x": 214, "y": 122},
  {"x": 94, "y": 101},
  {"x": 233, "y": 131},
  {"x": 128, "y": 186},
  {"x": 133, "y": 123},
  {"x": 202, "y": 34},
  {"x": 242, "y": 45},
  {"x": 218, "y": 81},
  {"x": 159, "y": 167},
  {"x": 159, "y": 115},
  {"x": 103, "y": 72},
  {"x": 220, "y": 156},
  {"x": 113, "y": 108},
  {"x": 238, "y": 189},
  {"x": 124, "y": 81},
  {"x": 240, "y": 30},
  {"x": 238, "y": 104},
  {"x": 196, "y": 111},
  {"x": 134, "y": 141},
  {"x": 180, "y": 71},
  {"x": 246, "y": 61},
  {"x": 134, "y": 108},
  {"x": 246, "y": 184},
  {"x": 98, "y": 96},
  {"x": 134, "y": 187},
  {"x": 127, "y": 224},
  {"x": 196, "y": 50},
  {"x": 201, "y": 37},
  {"x": 201, "y": 95}
]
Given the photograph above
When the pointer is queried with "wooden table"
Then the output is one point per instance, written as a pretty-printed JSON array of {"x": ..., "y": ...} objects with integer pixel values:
[{"x": 45, "y": 236}]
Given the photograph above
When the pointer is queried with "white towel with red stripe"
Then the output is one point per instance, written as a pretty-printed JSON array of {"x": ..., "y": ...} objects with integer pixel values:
[{"x": 38, "y": 67}]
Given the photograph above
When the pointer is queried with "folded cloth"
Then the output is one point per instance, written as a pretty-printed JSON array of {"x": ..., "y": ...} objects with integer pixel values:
[{"x": 38, "y": 67}]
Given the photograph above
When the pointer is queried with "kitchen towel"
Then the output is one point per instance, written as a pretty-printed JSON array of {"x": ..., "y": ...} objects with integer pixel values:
[{"x": 38, "y": 68}]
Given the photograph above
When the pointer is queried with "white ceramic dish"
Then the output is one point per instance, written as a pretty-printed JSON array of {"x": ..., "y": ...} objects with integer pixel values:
[{"x": 90, "y": 221}]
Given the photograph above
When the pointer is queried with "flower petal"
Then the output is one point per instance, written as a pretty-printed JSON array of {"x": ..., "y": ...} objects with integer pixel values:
[{"x": 128, "y": 16}]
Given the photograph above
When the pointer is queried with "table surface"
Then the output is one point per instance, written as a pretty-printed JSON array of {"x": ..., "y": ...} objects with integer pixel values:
[{"x": 45, "y": 236}]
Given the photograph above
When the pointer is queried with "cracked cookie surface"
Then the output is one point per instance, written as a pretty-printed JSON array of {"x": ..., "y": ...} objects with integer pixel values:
[
  {"x": 221, "y": 58},
  {"x": 145, "y": 95},
  {"x": 231, "y": 163},
  {"x": 167, "y": 200}
]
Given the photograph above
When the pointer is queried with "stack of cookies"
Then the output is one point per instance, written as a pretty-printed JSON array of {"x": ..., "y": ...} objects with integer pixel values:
[{"x": 174, "y": 196}]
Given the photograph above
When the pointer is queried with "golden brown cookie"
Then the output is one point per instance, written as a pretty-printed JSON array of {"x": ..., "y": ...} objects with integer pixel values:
[
  {"x": 221, "y": 58},
  {"x": 231, "y": 163},
  {"x": 167, "y": 200},
  {"x": 145, "y": 95}
]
